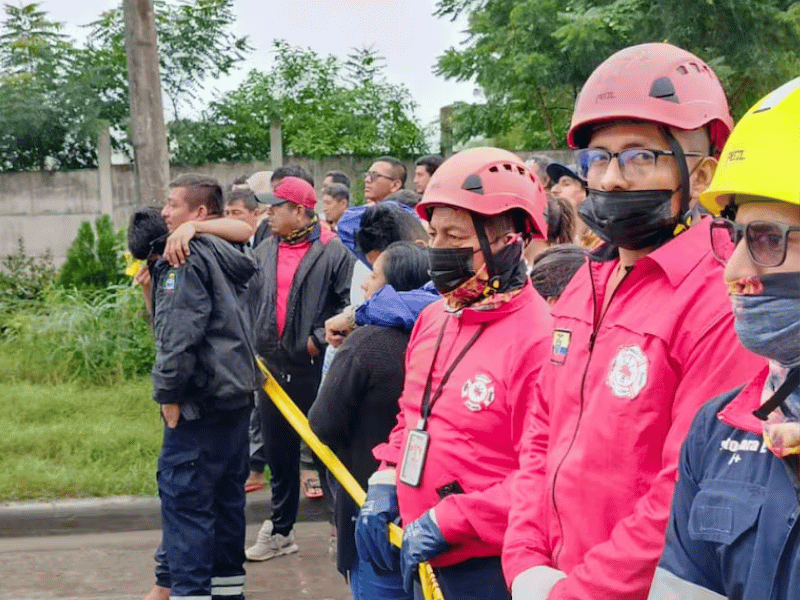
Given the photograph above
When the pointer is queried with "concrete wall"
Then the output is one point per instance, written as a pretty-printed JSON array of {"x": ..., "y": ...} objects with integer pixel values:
[{"x": 45, "y": 209}]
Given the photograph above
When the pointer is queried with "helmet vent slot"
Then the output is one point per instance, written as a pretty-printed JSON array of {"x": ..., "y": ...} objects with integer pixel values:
[
  {"x": 474, "y": 184},
  {"x": 663, "y": 89}
]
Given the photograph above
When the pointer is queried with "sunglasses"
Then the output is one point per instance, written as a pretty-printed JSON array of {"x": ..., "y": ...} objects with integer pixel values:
[
  {"x": 373, "y": 175},
  {"x": 766, "y": 240}
]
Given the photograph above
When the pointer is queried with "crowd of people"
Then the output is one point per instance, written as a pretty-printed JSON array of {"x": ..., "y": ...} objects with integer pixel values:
[{"x": 564, "y": 381}]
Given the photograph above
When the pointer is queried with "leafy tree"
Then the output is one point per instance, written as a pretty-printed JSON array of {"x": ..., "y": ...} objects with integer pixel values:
[
  {"x": 326, "y": 106},
  {"x": 53, "y": 93},
  {"x": 531, "y": 57},
  {"x": 194, "y": 44},
  {"x": 41, "y": 125}
]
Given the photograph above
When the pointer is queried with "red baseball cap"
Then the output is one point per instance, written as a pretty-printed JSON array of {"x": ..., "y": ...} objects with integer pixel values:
[{"x": 290, "y": 189}]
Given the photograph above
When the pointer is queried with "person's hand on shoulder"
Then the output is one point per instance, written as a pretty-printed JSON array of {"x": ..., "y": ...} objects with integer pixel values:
[{"x": 177, "y": 248}]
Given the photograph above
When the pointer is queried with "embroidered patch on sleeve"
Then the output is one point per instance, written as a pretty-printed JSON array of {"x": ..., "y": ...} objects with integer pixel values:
[
  {"x": 561, "y": 341},
  {"x": 170, "y": 281}
]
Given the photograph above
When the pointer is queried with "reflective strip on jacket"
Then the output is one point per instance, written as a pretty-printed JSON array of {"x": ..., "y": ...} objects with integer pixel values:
[
  {"x": 611, "y": 409},
  {"x": 734, "y": 531}
]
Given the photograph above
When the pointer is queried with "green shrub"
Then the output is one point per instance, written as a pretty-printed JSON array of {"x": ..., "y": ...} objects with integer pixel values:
[
  {"x": 94, "y": 337},
  {"x": 25, "y": 277},
  {"x": 94, "y": 260}
]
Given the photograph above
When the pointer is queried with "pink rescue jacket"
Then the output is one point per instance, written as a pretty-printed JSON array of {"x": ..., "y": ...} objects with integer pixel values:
[
  {"x": 476, "y": 424},
  {"x": 611, "y": 409}
]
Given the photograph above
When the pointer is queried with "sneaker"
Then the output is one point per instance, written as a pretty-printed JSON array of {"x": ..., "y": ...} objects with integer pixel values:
[{"x": 269, "y": 545}]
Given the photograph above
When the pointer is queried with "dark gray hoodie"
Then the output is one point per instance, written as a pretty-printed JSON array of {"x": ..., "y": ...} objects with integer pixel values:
[{"x": 204, "y": 335}]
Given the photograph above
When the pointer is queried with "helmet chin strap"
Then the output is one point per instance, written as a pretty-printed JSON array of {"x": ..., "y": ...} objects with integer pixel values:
[
  {"x": 683, "y": 169},
  {"x": 491, "y": 268}
]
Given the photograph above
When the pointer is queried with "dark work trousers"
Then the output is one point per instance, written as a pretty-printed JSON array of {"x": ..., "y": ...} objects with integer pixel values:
[
  {"x": 201, "y": 473},
  {"x": 283, "y": 443},
  {"x": 258, "y": 456},
  {"x": 473, "y": 579}
]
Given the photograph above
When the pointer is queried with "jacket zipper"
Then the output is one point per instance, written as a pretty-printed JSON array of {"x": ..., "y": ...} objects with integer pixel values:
[{"x": 592, "y": 339}]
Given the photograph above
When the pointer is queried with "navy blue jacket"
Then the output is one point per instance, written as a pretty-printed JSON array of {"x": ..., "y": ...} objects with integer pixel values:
[
  {"x": 204, "y": 335},
  {"x": 733, "y": 531}
]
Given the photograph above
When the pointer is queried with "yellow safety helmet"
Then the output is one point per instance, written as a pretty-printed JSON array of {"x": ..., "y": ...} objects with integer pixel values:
[{"x": 762, "y": 154}]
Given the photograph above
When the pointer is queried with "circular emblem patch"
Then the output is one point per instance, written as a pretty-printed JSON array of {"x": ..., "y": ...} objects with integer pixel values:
[
  {"x": 628, "y": 374},
  {"x": 478, "y": 394}
]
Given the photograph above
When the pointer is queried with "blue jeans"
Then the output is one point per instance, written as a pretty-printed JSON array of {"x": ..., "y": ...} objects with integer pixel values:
[
  {"x": 473, "y": 579},
  {"x": 367, "y": 583}
]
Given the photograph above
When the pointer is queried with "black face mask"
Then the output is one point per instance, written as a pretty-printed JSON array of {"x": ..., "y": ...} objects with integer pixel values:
[
  {"x": 450, "y": 267},
  {"x": 630, "y": 220}
]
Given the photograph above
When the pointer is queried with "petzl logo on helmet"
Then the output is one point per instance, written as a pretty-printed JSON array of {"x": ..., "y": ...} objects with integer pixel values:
[
  {"x": 478, "y": 394},
  {"x": 735, "y": 155},
  {"x": 628, "y": 374},
  {"x": 561, "y": 341},
  {"x": 604, "y": 96}
]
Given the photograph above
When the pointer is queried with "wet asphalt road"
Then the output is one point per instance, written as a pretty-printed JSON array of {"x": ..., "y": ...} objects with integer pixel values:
[{"x": 119, "y": 566}]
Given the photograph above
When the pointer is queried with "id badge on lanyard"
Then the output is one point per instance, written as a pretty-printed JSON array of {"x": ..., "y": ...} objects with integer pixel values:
[
  {"x": 418, "y": 439},
  {"x": 414, "y": 456}
]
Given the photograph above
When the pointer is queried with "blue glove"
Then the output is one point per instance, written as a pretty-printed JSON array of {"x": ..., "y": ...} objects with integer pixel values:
[
  {"x": 422, "y": 540},
  {"x": 372, "y": 534}
]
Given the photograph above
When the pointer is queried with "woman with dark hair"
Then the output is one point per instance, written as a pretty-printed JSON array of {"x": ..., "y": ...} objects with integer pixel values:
[{"x": 356, "y": 405}]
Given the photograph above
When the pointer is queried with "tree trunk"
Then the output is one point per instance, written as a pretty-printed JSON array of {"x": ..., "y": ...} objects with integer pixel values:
[{"x": 151, "y": 159}]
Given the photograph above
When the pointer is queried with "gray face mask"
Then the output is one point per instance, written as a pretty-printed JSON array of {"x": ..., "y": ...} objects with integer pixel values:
[
  {"x": 632, "y": 220},
  {"x": 768, "y": 324}
]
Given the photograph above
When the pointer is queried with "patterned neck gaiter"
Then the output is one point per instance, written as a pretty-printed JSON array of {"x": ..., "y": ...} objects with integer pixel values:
[
  {"x": 300, "y": 235},
  {"x": 782, "y": 427}
]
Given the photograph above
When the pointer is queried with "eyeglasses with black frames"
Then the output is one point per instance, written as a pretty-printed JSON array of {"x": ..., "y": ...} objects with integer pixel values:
[
  {"x": 766, "y": 240},
  {"x": 634, "y": 163}
]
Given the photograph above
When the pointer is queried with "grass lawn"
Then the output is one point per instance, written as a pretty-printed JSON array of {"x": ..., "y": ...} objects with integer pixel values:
[{"x": 67, "y": 441}]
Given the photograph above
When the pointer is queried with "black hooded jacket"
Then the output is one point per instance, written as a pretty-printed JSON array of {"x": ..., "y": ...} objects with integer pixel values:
[
  {"x": 204, "y": 337},
  {"x": 320, "y": 289}
]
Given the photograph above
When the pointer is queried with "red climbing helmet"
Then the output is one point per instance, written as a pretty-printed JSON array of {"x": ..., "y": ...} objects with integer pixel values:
[
  {"x": 488, "y": 181},
  {"x": 660, "y": 83}
]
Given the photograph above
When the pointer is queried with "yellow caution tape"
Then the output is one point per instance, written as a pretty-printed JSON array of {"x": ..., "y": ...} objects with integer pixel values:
[{"x": 296, "y": 418}]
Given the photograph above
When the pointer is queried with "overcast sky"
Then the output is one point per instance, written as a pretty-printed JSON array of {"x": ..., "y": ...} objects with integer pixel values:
[{"x": 403, "y": 31}]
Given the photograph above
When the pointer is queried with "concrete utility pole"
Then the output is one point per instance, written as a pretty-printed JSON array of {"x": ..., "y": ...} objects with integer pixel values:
[
  {"x": 446, "y": 131},
  {"x": 147, "y": 111},
  {"x": 104, "y": 169},
  {"x": 275, "y": 143}
]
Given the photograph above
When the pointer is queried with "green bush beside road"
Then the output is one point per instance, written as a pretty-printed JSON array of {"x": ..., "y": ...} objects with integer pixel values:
[{"x": 93, "y": 337}]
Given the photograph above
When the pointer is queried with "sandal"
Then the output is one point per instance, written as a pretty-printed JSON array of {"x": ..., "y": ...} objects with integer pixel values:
[
  {"x": 311, "y": 485},
  {"x": 254, "y": 482}
]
